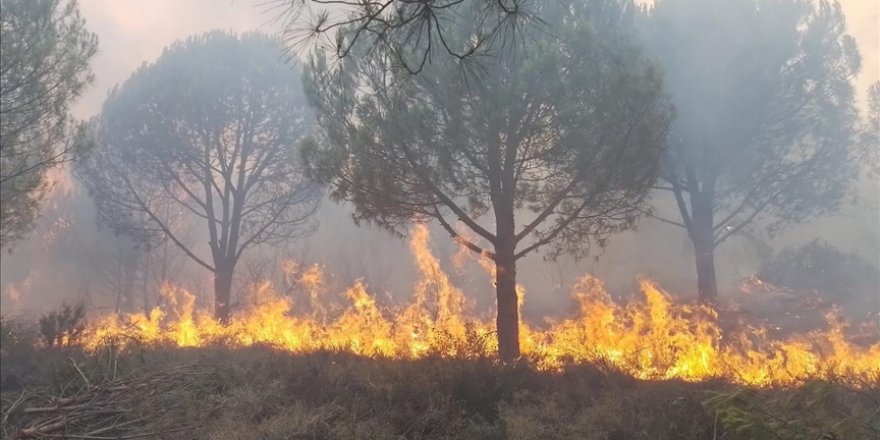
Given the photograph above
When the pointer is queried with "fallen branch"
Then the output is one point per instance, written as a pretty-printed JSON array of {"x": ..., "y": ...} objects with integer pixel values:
[{"x": 108, "y": 408}]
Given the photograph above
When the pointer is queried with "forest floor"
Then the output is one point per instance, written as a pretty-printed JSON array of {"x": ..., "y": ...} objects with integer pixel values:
[{"x": 260, "y": 393}]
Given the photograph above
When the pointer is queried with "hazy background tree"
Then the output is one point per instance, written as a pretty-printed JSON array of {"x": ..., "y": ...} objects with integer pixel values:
[
  {"x": 211, "y": 128},
  {"x": 764, "y": 129},
  {"x": 431, "y": 28},
  {"x": 839, "y": 277},
  {"x": 870, "y": 137},
  {"x": 45, "y": 51},
  {"x": 558, "y": 145},
  {"x": 130, "y": 274}
]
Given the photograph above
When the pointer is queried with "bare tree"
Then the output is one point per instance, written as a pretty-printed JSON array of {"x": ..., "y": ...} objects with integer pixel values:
[
  {"x": 211, "y": 128},
  {"x": 44, "y": 65},
  {"x": 558, "y": 146}
]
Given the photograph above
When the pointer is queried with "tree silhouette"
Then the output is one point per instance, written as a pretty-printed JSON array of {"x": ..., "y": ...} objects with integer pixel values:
[
  {"x": 211, "y": 128},
  {"x": 764, "y": 115},
  {"x": 558, "y": 145}
]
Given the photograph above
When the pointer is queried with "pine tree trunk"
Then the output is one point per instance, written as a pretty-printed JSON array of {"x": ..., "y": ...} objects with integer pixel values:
[
  {"x": 130, "y": 262},
  {"x": 145, "y": 286},
  {"x": 222, "y": 290},
  {"x": 507, "y": 322},
  {"x": 706, "y": 283},
  {"x": 704, "y": 251}
]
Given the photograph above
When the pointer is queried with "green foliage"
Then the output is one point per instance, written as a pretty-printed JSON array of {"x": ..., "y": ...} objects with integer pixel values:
[
  {"x": 568, "y": 129},
  {"x": 817, "y": 410},
  {"x": 9, "y": 335},
  {"x": 428, "y": 25},
  {"x": 22, "y": 361},
  {"x": 15, "y": 337},
  {"x": 554, "y": 148},
  {"x": 45, "y": 66},
  {"x": 63, "y": 327}
]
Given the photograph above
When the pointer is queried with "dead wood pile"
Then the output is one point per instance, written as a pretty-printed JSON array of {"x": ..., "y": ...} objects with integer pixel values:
[{"x": 145, "y": 405}]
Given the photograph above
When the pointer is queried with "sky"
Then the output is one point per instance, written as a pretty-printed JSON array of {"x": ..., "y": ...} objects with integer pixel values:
[{"x": 132, "y": 32}]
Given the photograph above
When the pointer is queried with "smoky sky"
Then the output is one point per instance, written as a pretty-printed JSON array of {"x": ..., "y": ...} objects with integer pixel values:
[{"x": 132, "y": 32}]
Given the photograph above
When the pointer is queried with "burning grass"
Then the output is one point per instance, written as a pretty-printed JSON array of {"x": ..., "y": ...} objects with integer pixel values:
[
  {"x": 651, "y": 338},
  {"x": 645, "y": 369}
]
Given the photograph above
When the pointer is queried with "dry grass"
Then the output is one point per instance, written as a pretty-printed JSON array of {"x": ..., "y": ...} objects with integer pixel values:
[{"x": 259, "y": 393}]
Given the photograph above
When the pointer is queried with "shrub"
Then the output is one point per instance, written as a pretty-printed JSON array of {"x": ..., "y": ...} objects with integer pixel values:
[
  {"x": 63, "y": 327},
  {"x": 817, "y": 410},
  {"x": 17, "y": 352},
  {"x": 218, "y": 393},
  {"x": 821, "y": 267}
]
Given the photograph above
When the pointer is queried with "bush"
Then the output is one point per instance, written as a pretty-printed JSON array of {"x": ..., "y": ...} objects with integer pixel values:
[
  {"x": 17, "y": 352},
  {"x": 63, "y": 327},
  {"x": 817, "y": 410},
  {"x": 14, "y": 335},
  {"x": 219, "y": 393},
  {"x": 835, "y": 275}
]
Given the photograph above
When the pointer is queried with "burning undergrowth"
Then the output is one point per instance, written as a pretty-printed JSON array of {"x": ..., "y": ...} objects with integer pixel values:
[
  {"x": 259, "y": 392},
  {"x": 282, "y": 368},
  {"x": 649, "y": 338}
]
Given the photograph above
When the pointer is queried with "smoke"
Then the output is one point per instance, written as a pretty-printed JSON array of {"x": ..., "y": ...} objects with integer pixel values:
[{"x": 68, "y": 257}]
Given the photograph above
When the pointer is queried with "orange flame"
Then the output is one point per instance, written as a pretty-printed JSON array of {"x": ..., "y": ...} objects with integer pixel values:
[{"x": 650, "y": 339}]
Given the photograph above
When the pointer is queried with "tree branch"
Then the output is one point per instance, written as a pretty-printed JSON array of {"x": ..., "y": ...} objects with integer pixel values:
[{"x": 459, "y": 239}]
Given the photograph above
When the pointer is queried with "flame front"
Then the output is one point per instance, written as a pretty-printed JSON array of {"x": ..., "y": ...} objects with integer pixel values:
[{"x": 650, "y": 339}]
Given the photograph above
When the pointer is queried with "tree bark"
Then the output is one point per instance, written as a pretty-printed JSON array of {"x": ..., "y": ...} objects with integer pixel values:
[
  {"x": 706, "y": 282},
  {"x": 222, "y": 290},
  {"x": 507, "y": 321},
  {"x": 145, "y": 286},
  {"x": 704, "y": 252},
  {"x": 130, "y": 266}
]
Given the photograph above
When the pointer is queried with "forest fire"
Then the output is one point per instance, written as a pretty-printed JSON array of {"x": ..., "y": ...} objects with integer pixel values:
[
  {"x": 196, "y": 225},
  {"x": 654, "y": 338}
]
